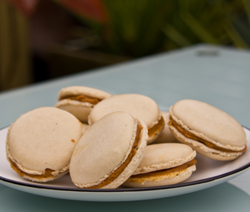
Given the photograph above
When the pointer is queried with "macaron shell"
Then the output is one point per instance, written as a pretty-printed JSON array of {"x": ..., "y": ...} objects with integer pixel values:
[
  {"x": 166, "y": 135},
  {"x": 103, "y": 148},
  {"x": 203, "y": 149},
  {"x": 209, "y": 123},
  {"x": 164, "y": 156},
  {"x": 161, "y": 181},
  {"x": 129, "y": 170},
  {"x": 80, "y": 110},
  {"x": 82, "y": 90},
  {"x": 43, "y": 138},
  {"x": 139, "y": 106}
]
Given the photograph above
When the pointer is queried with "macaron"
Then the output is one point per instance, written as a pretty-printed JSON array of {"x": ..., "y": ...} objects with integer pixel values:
[
  {"x": 163, "y": 164},
  {"x": 207, "y": 129},
  {"x": 79, "y": 100},
  {"x": 139, "y": 106},
  {"x": 40, "y": 143},
  {"x": 166, "y": 136},
  {"x": 109, "y": 152}
]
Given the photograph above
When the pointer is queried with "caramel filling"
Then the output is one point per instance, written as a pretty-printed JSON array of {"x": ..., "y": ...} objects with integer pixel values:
[
  {"x": 194, "y": 137},
  {"x": 161, "y": 173},
  {"x": 47, "y": 174},
  {"x": 82, "y": 98},
  {"x": 153, "y": 131},
  {"x": 118, "y": 171}
]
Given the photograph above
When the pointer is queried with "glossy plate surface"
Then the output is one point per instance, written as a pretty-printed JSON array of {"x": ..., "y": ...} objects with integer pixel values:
[{"x": 209, "y": 173}]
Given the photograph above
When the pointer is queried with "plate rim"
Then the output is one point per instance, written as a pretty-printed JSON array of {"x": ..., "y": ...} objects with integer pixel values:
[{"x": 155, "y": 188}]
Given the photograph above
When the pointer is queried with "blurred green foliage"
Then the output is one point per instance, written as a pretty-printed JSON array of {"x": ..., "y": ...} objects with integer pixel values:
[{"x": 137, "y": 28}]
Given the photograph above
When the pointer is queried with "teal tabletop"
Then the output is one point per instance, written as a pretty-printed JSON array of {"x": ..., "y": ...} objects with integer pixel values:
[{"x": 217, "y": 75}]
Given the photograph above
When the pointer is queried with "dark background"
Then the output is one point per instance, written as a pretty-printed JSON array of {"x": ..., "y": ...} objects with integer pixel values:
[{"x": 46, "y": 39}]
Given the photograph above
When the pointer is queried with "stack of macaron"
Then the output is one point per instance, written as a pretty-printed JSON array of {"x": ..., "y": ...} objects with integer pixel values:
[{"x": 107, "y": 141}]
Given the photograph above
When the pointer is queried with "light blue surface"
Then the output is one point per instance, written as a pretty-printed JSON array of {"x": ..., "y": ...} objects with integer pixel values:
[
  {"x": 221, "y": 79},
  {"x": 224, "y": 197}
]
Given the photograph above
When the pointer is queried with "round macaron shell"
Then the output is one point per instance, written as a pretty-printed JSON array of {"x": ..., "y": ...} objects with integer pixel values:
[
  {"x": 139, "y": 106},
  {"x": 42, "y": 139},
  {"x": 209, "y": 123},
  {"x": 82, "y": 90},
  {"x": 103, "y": 149},
  {"x": 162, "y": 157}
]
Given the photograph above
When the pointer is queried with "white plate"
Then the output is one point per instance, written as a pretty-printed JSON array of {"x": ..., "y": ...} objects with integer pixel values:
[{"x": 209, "y": 173}]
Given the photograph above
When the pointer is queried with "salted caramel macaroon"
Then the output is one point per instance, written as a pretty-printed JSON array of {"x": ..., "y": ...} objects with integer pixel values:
[
  {"x": 166, "y": 136},
  {"x": 40, "y": 143},
  {"x": 109, "y": 152},
  {"x": 139, "y": 106},
  {"x": 207, "y": 129},
  {"x": 79, "y": 100},
  {"x": 163, "y": 164}
]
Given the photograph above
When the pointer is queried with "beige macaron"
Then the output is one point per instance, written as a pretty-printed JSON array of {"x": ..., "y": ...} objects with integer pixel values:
[
  {"x": 139, "y": 106},
  {"x": 40, "y": 143},
  {"x": 166, "y": 136},
  {"x": 109, "y": 152},
  {"x": 207, "y": 129},
  {"x": 163, "y": 164},
  {"x": 79, "y": 100}
]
